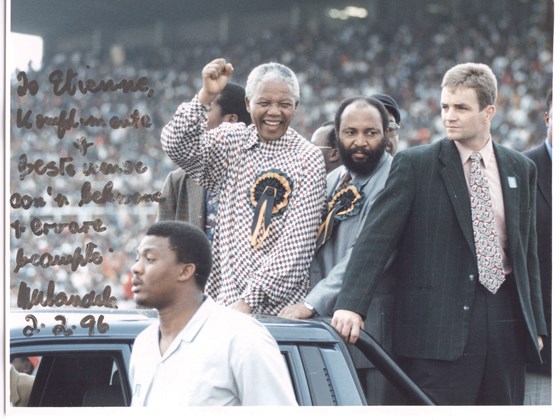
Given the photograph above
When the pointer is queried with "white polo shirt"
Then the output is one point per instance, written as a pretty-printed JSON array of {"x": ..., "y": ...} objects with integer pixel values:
[{"x": 221, "y": 357}]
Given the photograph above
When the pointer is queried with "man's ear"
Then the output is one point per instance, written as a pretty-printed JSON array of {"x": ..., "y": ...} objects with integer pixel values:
[
  {"x": 248, "y": 104},
  {"x": 296, "y": 105},
  {"x": 334, "y": 155},
  {"x": 489, "y": 112},
  {"x": 231, "y": 118},
  {"x": 188, "y": 272}
]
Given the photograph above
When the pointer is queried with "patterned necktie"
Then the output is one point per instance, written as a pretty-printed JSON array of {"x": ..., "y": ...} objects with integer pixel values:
[{"x": 487, "y": 243}]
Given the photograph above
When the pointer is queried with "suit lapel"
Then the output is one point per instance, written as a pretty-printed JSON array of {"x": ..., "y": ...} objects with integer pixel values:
[
  {"x": 510, "y": 179},
  {"x": 454, "y": 179}
]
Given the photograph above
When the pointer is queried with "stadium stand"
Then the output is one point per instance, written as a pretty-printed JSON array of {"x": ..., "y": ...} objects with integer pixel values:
[{"x": 333, "y": 60}]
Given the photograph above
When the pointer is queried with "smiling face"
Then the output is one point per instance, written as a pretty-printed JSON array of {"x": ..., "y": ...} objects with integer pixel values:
[
  {"x": 272, "y": 108},
  {"x": 155, "y": 273},
  {"x": 463, "y": 119}
]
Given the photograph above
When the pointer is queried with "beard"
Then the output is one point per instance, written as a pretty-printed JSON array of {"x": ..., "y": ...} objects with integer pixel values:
[{"x": 367, "y": 166}]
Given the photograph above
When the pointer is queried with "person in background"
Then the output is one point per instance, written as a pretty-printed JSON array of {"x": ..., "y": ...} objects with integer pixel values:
[
  {"x": 394, "y": 121},
  {"x": 272, "y": 187},
  {"x": 21, "y": 385},
  {"x": 325, "y": 139},
  {"x": 538, "y": 378},
  {"x": 457, "y": 213},
  {"x": 199, "y": 352},
  {"x": 25, "y": 364},
  {"x": 186, "y": 200},
  {"x": 360, "y": 126}
]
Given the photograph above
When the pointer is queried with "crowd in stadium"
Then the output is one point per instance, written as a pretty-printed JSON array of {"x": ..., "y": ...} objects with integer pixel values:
[{"x": 331, "y": 65}]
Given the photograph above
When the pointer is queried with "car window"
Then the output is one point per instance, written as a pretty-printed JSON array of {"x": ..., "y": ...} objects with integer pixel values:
[
  {"x": 295, "y": 368},
  {"x": 78, "y": 379}
]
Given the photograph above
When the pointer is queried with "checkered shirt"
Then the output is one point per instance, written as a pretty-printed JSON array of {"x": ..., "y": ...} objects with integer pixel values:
[{"x": 228, "y": 160}]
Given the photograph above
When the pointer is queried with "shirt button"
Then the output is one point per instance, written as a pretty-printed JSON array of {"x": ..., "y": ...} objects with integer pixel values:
[
  {"x": 471, "y": 277},
  {"x": 466, "y": 308}
]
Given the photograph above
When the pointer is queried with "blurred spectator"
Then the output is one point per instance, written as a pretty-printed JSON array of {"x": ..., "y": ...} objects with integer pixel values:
[
  {"x": 20, "y": 387},
  {"x": 25, "y": 364},
  {"x": 325, "y": 139},
  {"x": 394, "y": 121}
]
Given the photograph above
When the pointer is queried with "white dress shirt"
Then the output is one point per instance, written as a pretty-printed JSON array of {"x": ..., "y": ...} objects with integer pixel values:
[{"x": 221, "y": 357}]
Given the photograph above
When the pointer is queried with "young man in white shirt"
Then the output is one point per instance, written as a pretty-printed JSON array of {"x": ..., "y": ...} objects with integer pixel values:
[{"x": 199, "y": 353}]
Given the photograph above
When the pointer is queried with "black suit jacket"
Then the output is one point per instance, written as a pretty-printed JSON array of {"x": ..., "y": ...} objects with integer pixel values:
[
  {"x": 424, "y": 214},
  {"x": 540, "y": 156}
]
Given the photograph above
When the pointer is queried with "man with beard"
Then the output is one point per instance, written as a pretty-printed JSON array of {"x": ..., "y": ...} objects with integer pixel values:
[{"x": 360, "y": 125}]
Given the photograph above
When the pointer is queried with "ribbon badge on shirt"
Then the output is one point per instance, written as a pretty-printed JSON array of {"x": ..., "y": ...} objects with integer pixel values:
[
  {"x": 344, "y": 203},
  {"x": 269, "y": 196}
]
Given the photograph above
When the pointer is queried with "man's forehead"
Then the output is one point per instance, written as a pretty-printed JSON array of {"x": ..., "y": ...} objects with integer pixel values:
[
  {"x": 357, "y": 111},
  {"x": 274, "y": 87},
  {"x": 153, "y": 242},
  {"x": 458, "y": 94}
]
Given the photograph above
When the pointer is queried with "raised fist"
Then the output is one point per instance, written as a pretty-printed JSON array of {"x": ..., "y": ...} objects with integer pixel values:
[{"x": 215, "y": 76}]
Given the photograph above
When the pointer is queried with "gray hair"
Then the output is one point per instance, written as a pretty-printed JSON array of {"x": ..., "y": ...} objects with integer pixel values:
[
  {"x": 475, "y": 76},
  {"x": 272, "y": 72}
]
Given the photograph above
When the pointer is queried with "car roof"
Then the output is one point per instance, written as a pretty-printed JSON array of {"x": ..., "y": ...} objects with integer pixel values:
[{"x": 125, "y": 325}]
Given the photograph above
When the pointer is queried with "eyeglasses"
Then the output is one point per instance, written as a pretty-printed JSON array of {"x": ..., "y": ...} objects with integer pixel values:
[{"x": 393, "y": 126}]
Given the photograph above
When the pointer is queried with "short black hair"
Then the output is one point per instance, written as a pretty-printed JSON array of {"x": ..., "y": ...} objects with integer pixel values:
[
  {"x": 190, "y": 244},
  {"x": 371, "y": 101},
  {"x": 232, "y": 101}
]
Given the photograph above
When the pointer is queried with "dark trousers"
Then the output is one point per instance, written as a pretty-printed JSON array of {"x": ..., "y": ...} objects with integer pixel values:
[{"x": 492, "y": 368}]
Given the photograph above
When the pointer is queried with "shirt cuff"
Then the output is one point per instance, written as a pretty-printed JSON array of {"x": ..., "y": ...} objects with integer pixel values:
[
  {"x": 316, "y": 303},
  {"x": 199, "y": 104},
  {"x": 253, "y": 297}
]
